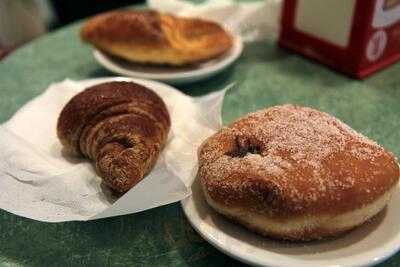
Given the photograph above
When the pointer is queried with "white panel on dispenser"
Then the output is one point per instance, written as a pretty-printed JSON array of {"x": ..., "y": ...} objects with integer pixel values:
[{"x": 330, "y": 20}]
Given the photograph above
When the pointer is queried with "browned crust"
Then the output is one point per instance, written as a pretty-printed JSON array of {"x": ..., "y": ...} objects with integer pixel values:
[
  {"x": 196, "y": 38},
  {"x": 122, "y": 126},
  {"x": 156, "y": 38},
  {"x": 140, "y": 27},
  {"x": 100, "y": 99},
  {"x": 338, "y": 182}
]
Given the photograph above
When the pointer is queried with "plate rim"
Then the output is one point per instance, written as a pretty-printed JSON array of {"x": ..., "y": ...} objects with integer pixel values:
[
  {"x": 381, "y": 254},
  {"x": 228, "y": 59}
]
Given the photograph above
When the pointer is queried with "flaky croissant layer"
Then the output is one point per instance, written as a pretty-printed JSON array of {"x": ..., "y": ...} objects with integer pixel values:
[{"x": 121, "y": 126}]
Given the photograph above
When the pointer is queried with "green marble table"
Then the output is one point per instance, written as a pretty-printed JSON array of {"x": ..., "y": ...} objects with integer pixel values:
[{"x": 265, "y": 75}]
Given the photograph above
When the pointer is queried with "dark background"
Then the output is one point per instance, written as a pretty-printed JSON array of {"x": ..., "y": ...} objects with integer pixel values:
[
  {"x": 69, "y": 11},
  {"x": 66, "y": 12}
]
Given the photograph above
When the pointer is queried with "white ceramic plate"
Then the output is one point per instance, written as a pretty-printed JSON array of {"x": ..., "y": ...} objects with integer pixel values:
[
  {"x": 367, "y": 245},
  {"x": 169, "y": 74}
]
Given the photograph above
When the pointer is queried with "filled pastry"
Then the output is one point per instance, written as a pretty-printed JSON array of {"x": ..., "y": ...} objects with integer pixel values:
[
  {"x": 292, "y": 172},
  {"x": 156, "y": 38}
]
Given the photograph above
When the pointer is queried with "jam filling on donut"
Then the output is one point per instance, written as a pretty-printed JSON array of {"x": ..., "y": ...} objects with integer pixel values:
[{"x": 243, "y": 147}]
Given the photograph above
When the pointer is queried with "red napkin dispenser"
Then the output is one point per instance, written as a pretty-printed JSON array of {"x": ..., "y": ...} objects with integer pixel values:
[{"x": 357, "y": 37}]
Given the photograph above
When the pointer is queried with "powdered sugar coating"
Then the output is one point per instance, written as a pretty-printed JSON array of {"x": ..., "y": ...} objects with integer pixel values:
[{"x": 294, "y": 160}]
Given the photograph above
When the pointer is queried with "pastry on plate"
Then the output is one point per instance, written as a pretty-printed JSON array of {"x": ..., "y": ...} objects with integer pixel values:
[
  {"x": 121, "y": 126},
  {"x": 156, "y": 38},
  {"x": 295, "y": 173}
]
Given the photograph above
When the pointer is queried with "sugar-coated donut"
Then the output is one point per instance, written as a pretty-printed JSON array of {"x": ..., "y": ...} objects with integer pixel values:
[{"x": 295, "y": 173}]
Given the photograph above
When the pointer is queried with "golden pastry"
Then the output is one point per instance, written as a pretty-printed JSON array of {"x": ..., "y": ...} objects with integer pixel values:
[{"x": 156, "y": 38}]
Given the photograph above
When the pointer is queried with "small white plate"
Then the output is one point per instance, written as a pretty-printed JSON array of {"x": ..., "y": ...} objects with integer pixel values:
[
  {"x": 367, "y": 245},
  {"x": 170, "y": 74}
]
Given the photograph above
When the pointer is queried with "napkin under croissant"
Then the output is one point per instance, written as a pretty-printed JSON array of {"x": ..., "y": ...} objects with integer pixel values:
[
  {"x": 121, "y": 126},
  {"x": 156, "y": 38}
]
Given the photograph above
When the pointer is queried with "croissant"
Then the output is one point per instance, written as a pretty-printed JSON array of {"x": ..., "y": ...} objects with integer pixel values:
[
  {"x": 121, "y": 126},
  {"x": 156, "y": 38}
]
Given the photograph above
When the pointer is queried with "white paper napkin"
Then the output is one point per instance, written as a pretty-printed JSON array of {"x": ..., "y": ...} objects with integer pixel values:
[
  {"x": 39, "y": 181},
  {"x": 251, "y": 20}
]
